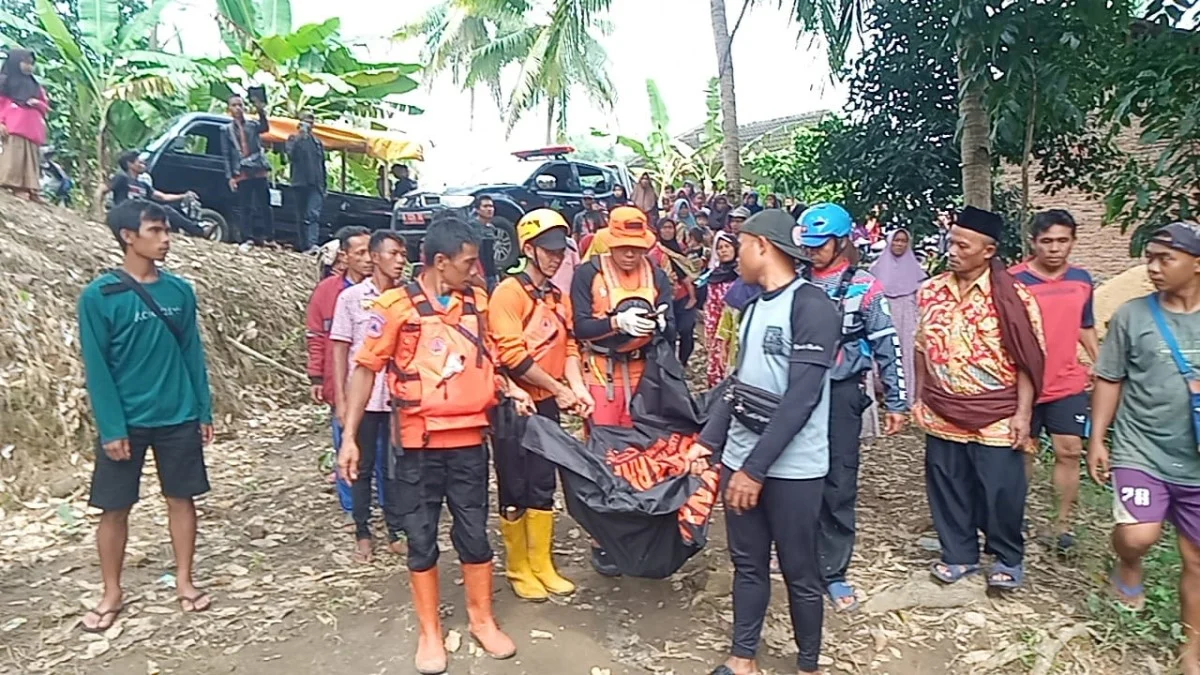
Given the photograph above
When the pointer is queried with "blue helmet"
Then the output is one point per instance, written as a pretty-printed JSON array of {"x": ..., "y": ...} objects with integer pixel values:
[{"x": 822, "y": 222}]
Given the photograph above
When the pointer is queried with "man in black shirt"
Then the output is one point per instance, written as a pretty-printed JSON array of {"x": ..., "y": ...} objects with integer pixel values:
[
  {"x": 132, "y": 182},
  {"x": 306, "y": 154}
]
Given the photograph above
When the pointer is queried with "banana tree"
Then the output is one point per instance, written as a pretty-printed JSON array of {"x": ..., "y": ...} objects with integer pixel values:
[
  {"x": 667, "y": 160},
  {"x": 306, "y": 68},
  {"x": 119, "y": 77}
]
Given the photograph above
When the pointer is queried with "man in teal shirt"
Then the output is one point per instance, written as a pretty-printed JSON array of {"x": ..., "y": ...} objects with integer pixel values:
[{"x": 148, "y": 385}]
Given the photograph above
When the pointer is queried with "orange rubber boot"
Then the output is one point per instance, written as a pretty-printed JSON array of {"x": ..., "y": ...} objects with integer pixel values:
[
  {"x": 478, "y": 581},
  {"x": 431, "y": 650}
]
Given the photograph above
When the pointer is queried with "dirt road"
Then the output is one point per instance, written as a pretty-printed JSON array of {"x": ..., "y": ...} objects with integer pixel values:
[{"x": 289, "y": 600}]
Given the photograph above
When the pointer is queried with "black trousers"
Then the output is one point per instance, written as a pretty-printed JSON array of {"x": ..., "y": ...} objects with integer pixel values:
[
  {"x": 786, "y": 515},
  {"x": 428, "y": 477},
  {"x": 525, "y": 480},
  {"x": 847, "y": 401},
  {"x": 309, "y": 200},
  {"x": 180, "y": 222},
  {"x": 373, "y": 435},
  {"x": 685, "y": 328},
  {"x": 254, "y": 209},
  {"x": 975, "y": 487}
]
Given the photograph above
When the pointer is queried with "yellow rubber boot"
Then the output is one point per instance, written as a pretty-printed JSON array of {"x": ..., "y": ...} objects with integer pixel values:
[
  {"x": 539, "y": 528},
  {"x": 516, "y": 564}
]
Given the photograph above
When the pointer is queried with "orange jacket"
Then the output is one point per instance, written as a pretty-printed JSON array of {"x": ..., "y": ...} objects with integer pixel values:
[
  {"x": 613, "y": 291},
  {"x": 531, "y": 326},
  {"x": 440, "y": 372}
]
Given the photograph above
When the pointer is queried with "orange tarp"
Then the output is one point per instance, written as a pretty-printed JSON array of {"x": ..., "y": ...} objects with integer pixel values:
[{"x": 382, "y": 145}]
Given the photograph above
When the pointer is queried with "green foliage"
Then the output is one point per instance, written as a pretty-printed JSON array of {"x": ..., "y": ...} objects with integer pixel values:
[
  {"x": 553, "y": 54},
  {"x": 666, "y": 159},
  {"x": 1155, "y": 87},
  {"x": 896, "y": 148},
  {"x": 796, "y": 171},
  {"x": 308, "y": 68}
]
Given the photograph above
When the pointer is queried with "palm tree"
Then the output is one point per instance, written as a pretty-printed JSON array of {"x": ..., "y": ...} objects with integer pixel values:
[
  {"x": 554, "y": 53},
  {"x": 454, "y": 30},
  {"x": 731, "y": 150}
]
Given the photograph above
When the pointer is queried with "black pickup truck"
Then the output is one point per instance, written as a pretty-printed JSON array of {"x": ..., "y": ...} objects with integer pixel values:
[
  {"x": 188, "y": 157},
  {"x": 531, "y": 179}
]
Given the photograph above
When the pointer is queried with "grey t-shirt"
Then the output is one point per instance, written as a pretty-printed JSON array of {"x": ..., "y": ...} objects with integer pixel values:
[
  {"x": 770, "y": 342},
  {"x": 1152, "y": 431}
]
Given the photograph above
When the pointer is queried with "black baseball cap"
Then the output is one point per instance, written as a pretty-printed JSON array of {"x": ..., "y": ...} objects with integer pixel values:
[
  {"x": 1180, "y": 236},
  {"x": 554, "y": 239},
  {"x": 777, "y": 227}
]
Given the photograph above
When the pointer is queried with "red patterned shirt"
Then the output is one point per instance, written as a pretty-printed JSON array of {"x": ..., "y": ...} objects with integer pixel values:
[{"x": 959, "y": 336}]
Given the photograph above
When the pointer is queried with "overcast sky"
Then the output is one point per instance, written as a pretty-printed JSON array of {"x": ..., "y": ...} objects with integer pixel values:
[{"x": 669, "y": 41}]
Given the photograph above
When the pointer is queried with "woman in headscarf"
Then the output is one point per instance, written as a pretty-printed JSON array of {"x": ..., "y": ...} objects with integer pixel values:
[
  {"x": 719, "y": 216},
  {"x": 617, "y": 199},
  {"x": 772, "y": 202},
  {"x": 682, "y": 213},
  {"x": 719, "y": 281},
  {"x": 669, "y": 253},
  {"x": 645, "y": 197},
  {"x": 901, "y": 275},
  {"x": 23, "y": 109}
]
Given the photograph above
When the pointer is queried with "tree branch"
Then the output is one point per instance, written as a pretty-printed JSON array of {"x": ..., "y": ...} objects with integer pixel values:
[{"x": 726, "y": 60}]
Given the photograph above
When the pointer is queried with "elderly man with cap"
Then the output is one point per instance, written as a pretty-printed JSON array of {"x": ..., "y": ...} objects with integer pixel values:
[
  {"x": 979, "y": 366},
  {"x": 532, "y": 325},
  {"x": 773, "y": 466},
  {"x": 622, "y": 304},
  {"x": 1147, "y": 388}
]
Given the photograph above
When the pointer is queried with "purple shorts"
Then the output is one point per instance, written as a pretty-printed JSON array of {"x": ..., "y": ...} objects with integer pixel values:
[{"x": 1139, "y": 497}]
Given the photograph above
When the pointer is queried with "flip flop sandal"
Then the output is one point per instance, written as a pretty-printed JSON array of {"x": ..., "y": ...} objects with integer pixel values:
[
  {"x": 838, "y": 591},
  {"x": 99, "y": 628},
  {"x": 1016, "y": 577},
  {"x": 1129, "y": 598},
  {"x": 194, "y": 600},
  {"x": 952, "y": 573}
]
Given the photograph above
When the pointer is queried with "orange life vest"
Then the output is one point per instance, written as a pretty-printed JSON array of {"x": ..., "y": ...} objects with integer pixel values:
[
  {"x": 610, "y": 296},
  {"x": 441, "y": 376},
  {"x": 545, "y": 329}
]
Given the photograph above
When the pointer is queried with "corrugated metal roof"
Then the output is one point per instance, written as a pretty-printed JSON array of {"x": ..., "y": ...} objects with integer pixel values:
[{"x": 772, "y": 134}]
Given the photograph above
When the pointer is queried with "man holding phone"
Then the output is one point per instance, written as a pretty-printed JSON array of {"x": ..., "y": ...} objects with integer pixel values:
[
  {"x": 247, "y": 169},
  {"x": 306, "y": 155}
]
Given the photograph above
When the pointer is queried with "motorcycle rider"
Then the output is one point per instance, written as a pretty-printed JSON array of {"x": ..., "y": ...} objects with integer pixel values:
[{"x": 133, "y": 182}]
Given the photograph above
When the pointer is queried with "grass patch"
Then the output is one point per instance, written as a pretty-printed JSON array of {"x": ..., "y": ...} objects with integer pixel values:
[{"x": 1159, "y": 625}]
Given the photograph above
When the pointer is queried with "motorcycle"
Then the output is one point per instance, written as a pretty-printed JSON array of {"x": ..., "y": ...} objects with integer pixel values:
[
  {"x": 55, "y": 183},
  {"x": 215, "y": 227}
]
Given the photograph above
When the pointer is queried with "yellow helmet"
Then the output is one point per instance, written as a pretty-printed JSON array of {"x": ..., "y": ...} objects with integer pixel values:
[{"x": 538, "y": 222}]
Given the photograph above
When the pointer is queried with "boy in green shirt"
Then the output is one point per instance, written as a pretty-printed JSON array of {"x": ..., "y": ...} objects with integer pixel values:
[{"x": 148, "y": 386}]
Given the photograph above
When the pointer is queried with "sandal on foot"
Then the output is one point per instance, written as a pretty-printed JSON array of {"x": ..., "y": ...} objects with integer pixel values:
[
  {"x": 1129, "y": 598},
  {"x": 100, "y": 627},
  {"x": 1016, "y": 577},
  {"x": 951, "y": 573},
  {"x": 725, "y": 670},
  {"x": 839, "y": 591},
  {"x": 194, "y": 601}
]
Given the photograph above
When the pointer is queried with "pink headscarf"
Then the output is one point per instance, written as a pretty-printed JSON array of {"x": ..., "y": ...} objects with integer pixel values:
[{"x": 900, "y": 275}]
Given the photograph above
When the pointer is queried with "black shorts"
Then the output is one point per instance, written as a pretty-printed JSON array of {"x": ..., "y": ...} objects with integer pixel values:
[
  {"x": 178, "y": 454},
  {"x": 1064, "y": 417}
]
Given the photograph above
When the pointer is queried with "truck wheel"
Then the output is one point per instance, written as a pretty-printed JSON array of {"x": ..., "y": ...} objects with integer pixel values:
[
  {"x": 216, "y": 228},
  {"x": 505, "y": 246}
]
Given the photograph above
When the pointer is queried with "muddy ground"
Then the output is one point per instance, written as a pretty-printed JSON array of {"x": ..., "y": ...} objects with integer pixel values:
[{"x": 288, "y": 598}]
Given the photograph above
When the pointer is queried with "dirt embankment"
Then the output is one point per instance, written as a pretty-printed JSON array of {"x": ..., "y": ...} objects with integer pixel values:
[{"x": 252, "y": 299}]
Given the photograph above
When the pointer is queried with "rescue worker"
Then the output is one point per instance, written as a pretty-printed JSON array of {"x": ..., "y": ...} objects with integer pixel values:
[
  {"x": 531, "y": 324},
  {"x": 431, "y": 337},
  {"x": 868, "y": 339},
  {"x": 622, "y": 304}
]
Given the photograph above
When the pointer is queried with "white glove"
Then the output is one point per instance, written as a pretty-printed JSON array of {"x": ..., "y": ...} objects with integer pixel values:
[
  {"x": 661, "y": 317},
  {"x": 634, "y": 322}
]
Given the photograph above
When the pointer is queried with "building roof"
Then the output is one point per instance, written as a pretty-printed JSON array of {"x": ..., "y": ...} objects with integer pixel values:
[{"x": 771, "y": 134}]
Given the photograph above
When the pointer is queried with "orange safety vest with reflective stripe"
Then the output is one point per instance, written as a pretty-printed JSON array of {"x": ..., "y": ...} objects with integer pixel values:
[
  {"x": 612, "y": 292},
  {"x": 441, "y": 376}
]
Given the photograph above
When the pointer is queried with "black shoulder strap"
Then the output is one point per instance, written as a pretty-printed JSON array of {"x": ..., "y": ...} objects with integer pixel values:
[
  {"x": 844, "y": 285},
  {"x": 132, "y": 284}
]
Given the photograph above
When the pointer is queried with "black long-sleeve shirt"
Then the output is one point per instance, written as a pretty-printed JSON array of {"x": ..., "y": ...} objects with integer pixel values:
[{"x": 599, "y": 330}]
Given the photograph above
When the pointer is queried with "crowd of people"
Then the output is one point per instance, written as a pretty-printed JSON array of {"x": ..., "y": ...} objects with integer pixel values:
[{"x": 428, "y": 369}]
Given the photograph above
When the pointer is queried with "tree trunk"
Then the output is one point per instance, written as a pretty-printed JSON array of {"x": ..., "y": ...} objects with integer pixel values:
[
  {"x": 975, "y": 144},
  {"x": 731, "y": 149},
  {"x": 549, "y": 119},
  {"x": 1026, "y": 160}
]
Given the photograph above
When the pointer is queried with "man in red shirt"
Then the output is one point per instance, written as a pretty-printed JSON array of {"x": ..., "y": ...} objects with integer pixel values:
[
  {"x": 354, "y": 244},
  {"x": 1064, "y": 294}
]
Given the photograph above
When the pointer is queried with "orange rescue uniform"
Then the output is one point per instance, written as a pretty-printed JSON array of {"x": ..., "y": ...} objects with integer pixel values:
[
  {"x": 532, "y": 326},
  {"x": 441, "y": 376}
]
